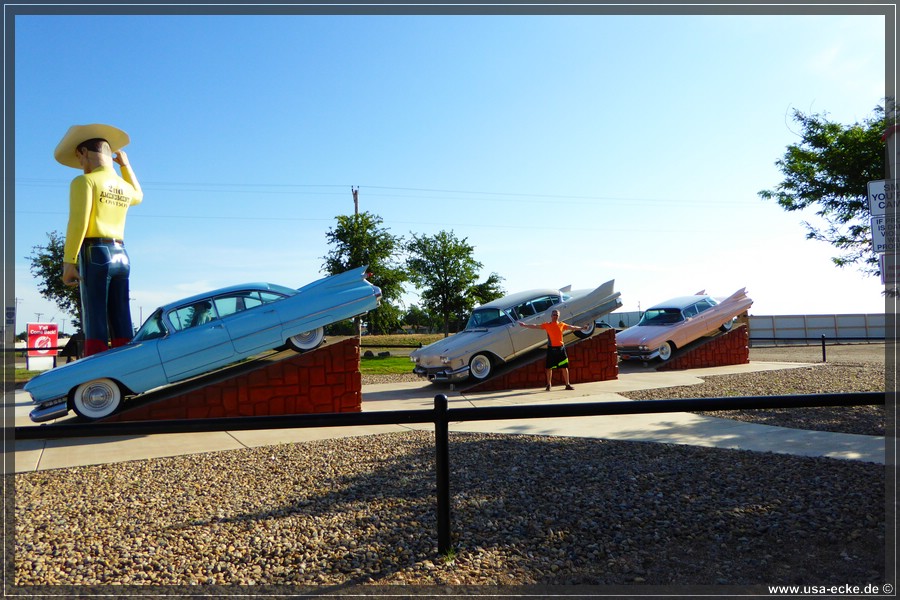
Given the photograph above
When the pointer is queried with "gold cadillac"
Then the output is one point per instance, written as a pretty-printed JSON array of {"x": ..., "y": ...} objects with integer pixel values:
[{"x": 492, "y": 337}]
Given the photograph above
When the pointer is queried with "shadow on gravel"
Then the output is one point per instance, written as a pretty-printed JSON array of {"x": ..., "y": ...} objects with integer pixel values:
[{"x": 525, "y": 510}]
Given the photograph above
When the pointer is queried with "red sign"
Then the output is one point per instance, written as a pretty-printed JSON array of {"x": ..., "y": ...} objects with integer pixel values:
[{"x": 42, "y": 339}]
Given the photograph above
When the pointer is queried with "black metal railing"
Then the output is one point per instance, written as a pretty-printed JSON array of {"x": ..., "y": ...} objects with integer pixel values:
[
  {"x": 441, "y": 416},
  {"x": 808, "y": 341}
]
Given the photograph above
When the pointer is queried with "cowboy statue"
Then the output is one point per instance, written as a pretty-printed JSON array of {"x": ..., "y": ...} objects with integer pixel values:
[{"x": 95, "y": 258}]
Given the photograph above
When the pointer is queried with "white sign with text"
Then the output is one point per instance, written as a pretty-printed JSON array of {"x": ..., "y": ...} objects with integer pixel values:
[
  {"x": 884, "y": 233},
  {"x": 882, "y": 196}
]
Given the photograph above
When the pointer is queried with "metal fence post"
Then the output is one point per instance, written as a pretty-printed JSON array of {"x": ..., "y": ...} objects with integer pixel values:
[
  {"x": 823, "y": 348},
  {"x": 442, "y": 470}
]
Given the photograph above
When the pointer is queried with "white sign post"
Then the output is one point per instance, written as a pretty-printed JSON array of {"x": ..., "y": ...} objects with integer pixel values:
[
  {"x": 882, "y": 196},
  {"x": 883, "y": 205},
  {"x": 884, "y": 233},
  {"x": 887, "y": 264}
]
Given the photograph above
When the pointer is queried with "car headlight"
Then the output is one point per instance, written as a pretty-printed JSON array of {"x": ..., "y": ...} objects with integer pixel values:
[
  {"x": 445, "y": 360},
  {"x": 414, "y": 359},
  {"x": 643, "y": 348}
]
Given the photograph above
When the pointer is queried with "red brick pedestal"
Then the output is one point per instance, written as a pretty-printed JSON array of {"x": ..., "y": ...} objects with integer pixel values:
[
  {"x": 732, "y": 348},
  {"x": 593, "y": 359},
  {"x": 326, "y": 380}
]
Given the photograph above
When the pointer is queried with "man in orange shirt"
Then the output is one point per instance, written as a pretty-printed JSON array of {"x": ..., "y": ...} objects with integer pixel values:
[
  {"x": 556, "y": 350},
  {"x": 95, "y": 258}
]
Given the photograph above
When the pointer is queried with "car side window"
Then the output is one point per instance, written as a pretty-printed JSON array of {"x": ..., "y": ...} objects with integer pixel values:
[
  {"x": 524, "y": 310},
  {"x": 235, "y": 303},
  {"x": 228, "y": 305},
  {"x": 704, "y": 305},
  {"x": 691, "y": 311},
  {"x": 267, "y": 297},
  {"x": 192, "y": 315},
  {"x": 545, "y": 302}
]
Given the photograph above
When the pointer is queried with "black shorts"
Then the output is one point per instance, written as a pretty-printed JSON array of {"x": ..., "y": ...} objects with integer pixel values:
[{"x": 557, "y": 357}]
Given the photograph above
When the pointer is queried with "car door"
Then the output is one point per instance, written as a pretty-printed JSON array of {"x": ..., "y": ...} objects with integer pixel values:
[
  {"x": 534, "y": 312},
  {"x": 707, "y": 316},
  {"x": 198, "y": 342},
  {"x": 251, "y": 320},
  {"x": 690, "y": 328}
]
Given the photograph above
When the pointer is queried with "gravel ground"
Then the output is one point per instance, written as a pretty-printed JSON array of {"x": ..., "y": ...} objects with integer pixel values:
[
  {"x": 858, "y": 368},
  {"x": 525, "y": 510}
]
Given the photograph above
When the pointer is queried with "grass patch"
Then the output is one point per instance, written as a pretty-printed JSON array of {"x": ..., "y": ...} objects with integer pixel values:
[
  {"x": 400, "y": 339},
  {"x": 385, "y": 365},
  {"x": 24, "y": 375}
]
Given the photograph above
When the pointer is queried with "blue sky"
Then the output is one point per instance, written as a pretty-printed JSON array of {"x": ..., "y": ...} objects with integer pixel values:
[{"x": 565, "y": 149}]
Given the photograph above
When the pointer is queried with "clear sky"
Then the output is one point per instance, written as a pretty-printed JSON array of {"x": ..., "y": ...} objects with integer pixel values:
[{"x": 565, "y": 149}]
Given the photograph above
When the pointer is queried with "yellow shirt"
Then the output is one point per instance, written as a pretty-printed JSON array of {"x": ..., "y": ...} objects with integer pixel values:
[{"x": 98, "y": 202}]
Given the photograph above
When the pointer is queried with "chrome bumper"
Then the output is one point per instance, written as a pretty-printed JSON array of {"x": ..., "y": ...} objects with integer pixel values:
[
  {"x": 48, "y": 412},
  {"x": 645, "y": 355},
  {"x": 443, "y": 375}
]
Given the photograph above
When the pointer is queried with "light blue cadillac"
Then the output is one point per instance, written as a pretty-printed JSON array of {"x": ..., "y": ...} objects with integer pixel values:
[{"x": 200, "y": 334}]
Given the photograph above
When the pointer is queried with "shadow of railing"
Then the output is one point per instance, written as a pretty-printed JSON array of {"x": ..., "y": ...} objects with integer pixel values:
[{"x": 441, "y": 416}]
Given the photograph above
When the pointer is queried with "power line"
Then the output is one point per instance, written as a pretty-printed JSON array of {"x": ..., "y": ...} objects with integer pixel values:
[
  {"x": 304, "y": 189},
  {"x": 537, "y": 227}
]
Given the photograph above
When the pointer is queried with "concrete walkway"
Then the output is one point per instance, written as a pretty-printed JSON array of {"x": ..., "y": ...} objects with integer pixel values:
[{"x": 671, "y": 428}]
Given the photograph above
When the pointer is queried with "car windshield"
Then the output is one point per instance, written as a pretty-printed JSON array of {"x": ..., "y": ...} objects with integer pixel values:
[
  {"x": 152, "y": 328},
  {"x": 487, "y": 317},
  {"x": 661, "y": 316}
]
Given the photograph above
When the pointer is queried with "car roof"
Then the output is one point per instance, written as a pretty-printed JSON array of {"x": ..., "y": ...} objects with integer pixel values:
[
  {"x": 680, "y": 302},
  {"x": 519, "y": 297},
  {"x": 259, "y": 286}
]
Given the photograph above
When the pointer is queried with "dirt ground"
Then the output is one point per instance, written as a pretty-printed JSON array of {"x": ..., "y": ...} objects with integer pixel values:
[{"x": 842, "y": 353}]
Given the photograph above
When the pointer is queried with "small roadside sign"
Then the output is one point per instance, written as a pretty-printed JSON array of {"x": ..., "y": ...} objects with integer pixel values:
[
  {"x": 42, "y": 338},
  {"x": 882, "y": 196},
  {"x": 884, "y": 233},
  {"x": 887, "y": 264}
]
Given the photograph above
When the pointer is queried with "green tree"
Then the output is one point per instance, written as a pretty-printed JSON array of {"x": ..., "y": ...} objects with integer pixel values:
[
  {"x": 359, "y": 240},
  {"x": 417, "y": 318},
  {"x": 443, "y": 267},
  {"x": 488, "y": 290},
  {"x": 46, "y": 267},
  {"x": 829, "y": 169}
]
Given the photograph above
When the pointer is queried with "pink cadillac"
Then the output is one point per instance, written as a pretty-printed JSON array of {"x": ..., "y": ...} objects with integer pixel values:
[{"x": 670, "y": 325}]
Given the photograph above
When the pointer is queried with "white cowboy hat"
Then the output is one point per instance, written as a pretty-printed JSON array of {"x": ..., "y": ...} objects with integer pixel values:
[{"x": 65, "y": 150}]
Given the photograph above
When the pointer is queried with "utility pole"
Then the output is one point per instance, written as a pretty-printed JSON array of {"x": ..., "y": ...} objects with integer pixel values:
[{"x": 355, "y": 191}]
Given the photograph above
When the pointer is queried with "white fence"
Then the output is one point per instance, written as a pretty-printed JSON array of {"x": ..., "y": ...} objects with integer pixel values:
[{"x": 857, "y": 327}]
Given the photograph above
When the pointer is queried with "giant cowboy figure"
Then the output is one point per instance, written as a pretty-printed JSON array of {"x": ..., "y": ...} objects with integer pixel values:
[{"x": 95, "y": 257}]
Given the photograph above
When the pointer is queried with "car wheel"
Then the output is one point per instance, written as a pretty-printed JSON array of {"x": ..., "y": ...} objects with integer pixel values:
[
  {"x": 96, "y": 399},
  {"x": 665, "y": 351},
  {"x": 584, "y": 334},
  {"x": 727, "y": 325},
  {"x": 480, "y": 367},
  {"x": 308, "y": 340}
]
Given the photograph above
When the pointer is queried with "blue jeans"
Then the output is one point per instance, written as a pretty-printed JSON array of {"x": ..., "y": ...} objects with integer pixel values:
[{"x": 105, "y": 312}]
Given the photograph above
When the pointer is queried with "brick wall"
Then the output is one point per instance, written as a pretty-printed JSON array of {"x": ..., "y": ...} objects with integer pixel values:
[
  {"x": 732, "y": 348},
  {"x": 593, "y": 359},
  {"x": 325, "y": 380}
]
